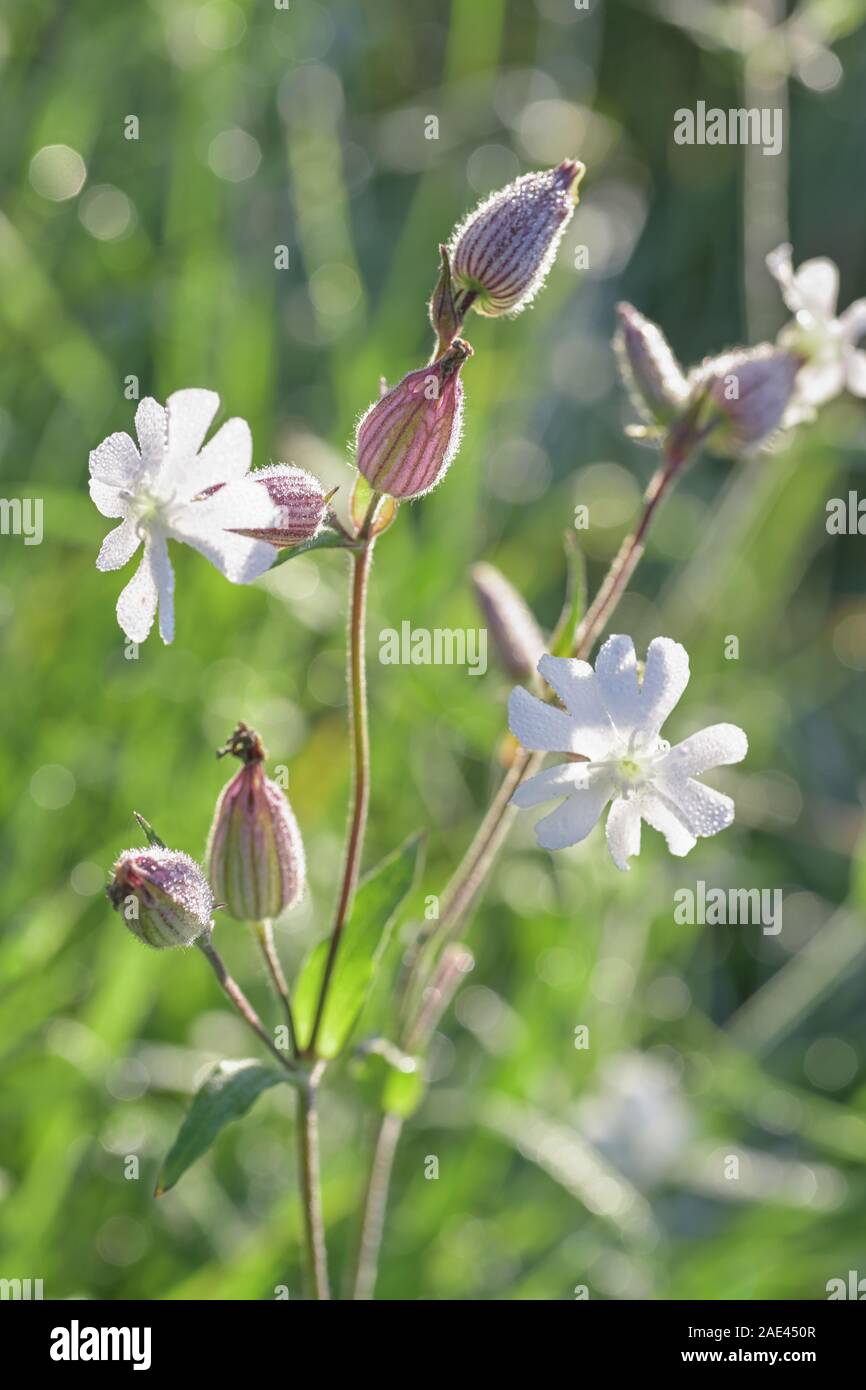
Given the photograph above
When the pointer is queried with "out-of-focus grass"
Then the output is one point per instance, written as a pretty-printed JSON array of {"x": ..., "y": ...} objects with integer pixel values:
[{"x": 746, "y": 1044}]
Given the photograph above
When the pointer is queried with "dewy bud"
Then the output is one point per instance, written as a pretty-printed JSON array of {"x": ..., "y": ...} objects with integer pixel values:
[
  {"x": 516, "y": 635},
  {"x": 501, "y": 253},
  {"x": 406, "y": 440},
  {"x": 255, "y": 852},
  {"x": 301, "y": 501},
  {"x": 163, "y": 896},
  {"x": 748, "y": 391},
  {"x": 652, "y": 374}
]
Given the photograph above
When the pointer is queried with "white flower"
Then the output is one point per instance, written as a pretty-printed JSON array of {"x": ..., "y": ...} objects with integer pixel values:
[
  {"x": 154, "y": 488},
  {"x": 834, "y": 363},
  {"x": 638, "y": 1116},
  {"x": 614, "y": 721}
]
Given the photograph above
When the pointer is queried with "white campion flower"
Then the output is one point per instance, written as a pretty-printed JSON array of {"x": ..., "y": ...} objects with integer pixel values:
[
  {"x": 154, "y": 489},
  {"x": 614, "y": 721},
  {"x": 827, "y": 341},
  {"x": 637, "y": 1115}
]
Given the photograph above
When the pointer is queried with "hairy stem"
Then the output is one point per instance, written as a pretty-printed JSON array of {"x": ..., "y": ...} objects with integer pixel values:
[
  {"x": 361, "y": 762},
  {"x": 318, "y": 1286},
  {"x": 625, "y": 562},
  {"x": 375, "y": 1203},
  {"x": 265, "y": 936},
  {"x": 237, "y": 997}
]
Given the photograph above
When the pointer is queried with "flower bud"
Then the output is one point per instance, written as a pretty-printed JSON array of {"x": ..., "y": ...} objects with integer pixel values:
[
  {"x": 255, "y": 852},
  {"x": 516, "y": 635},
  {"x": 301, "y": 501},
  {"x": 406, "y": 440},
  {"x": 501, "y": 253},
  {"x": 163, "y": 895},
  {"x": 747, "y": 392},
  {"x": 652, "y": 374}
]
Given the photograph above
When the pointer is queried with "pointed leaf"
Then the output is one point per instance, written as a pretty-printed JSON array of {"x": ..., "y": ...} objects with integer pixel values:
[
  {"x": 563, "y": 640},
  {"x": 325, "y": 540},
  {"x": 392, "y": 1080},
  {"x": 227, "y": 1093},
  {"x": 152, "y": 837},
  {"x": 361, "y": 501},
  {"x": 365, "y": 937}
]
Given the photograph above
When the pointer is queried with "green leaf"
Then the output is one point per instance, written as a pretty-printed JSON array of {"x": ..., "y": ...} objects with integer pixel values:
[
  {"x": 365, "y": 937},
  {"x": 227, "y": 1093},
  {"x": 325, "y": 540},
  {"x": 562, "y": 641},
  {"x": 403, "y": 1092},
  {"x": 152, "y": 837},
  {"x": 392, "y": 1080},
  {"x": 361, "y": 501}
]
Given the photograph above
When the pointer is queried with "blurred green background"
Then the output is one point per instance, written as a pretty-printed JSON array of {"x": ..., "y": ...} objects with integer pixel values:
[{"x": 154, "y": 258}]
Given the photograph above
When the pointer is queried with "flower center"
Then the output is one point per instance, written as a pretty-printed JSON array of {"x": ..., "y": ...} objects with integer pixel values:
[
  {"x": 820, "y": 341},
  {"x": 149, "y": 507},
  {"x": 632, "y": 766}
]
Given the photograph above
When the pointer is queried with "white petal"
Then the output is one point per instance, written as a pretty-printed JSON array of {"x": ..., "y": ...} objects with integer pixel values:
[
  {"x": 573, "y": 820},
  {"x": 616, "y": 670},
  {"x": 110, "y": 500},
  {"x": 662, "y": 817},
  {"x": 855, "y": 372},
  {"x": 119, "y": 546},
  {"x": 816, "y": 286},
  {"x": 561, "y": 780},
  {"x": 853, "y": 321},
  {"x": 623, "y": 831},
  {"x": 136, "y": 607},
  {"x": 114, "y": 467},
  {"x": 228, "y": 455},
  {"x": 797, "y": 415},
  {"x": 711, "y": 747},
  {"x": 239, "y": 558},
  {"x": 819, "y": 382},
  {"x": 539, "y": 726},
  {"x": 781, "y": 267},
  {"x": 240, "y": 505},
  {"x": 164, "y": 576},
  {"x": 189, "y": 415},
  {"x": 150, "y": 426},
  {"x": 666, "y": 676},
  {"x": 576, "y": 685},
  {"x": 704, "y": 810},
  {"x": 115, "y": 461}
]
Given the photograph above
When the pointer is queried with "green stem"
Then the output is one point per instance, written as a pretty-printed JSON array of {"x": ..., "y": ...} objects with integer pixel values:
[
  {"x": 264, "y": 932},
  {"x": 318, "y": 1285},
  {"x": 361, "y": 761},
  {"x": 237, "y": 997},
  {"x": 375, "y": 1203}
]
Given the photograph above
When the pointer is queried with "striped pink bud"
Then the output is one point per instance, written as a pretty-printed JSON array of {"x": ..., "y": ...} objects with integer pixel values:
[
  {"x": 747, "y": 393},
  {"x": 501, "y": 253},
  {"x": 301, "y": 500},
  {"x": 162, "y": 895},
  {"x": 653, "y": 376},
  {"x": 255, "y": 852},
  {"x": 406, "y": 440}
]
